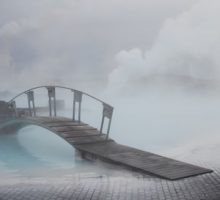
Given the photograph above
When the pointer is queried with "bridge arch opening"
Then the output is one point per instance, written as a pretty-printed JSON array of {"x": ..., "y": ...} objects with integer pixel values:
[{"x": 32, "y": 151}]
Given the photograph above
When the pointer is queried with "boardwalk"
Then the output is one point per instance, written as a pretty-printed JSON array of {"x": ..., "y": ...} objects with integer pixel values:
[{"x": 91, "y": 143}]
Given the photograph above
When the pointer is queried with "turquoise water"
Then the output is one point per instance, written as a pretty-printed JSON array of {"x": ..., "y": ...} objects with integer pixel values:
[
  {"x": 36, "y": 154},
  {"x": 34, "y": 151},
  {"x": 177, "y": 125}
]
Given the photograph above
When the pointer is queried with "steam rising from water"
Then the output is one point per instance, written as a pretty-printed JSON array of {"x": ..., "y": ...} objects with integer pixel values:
[
  {"x": 168, "y": 95},
  {"x": 162, "y": 96},
  {"x": 187, "y": 48}
]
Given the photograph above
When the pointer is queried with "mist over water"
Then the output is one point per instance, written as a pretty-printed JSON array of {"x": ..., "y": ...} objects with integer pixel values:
[
  {"x": 170, "y": 121},
  {"x": 166, "y": 100},
  {"x": 163, "y": 119},
  {"x": 167, "y": 96}
]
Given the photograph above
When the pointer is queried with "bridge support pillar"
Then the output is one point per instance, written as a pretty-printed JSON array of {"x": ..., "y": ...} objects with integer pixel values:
[
  {"x": 107, "y": 113},
  {"x": 77, "y": 98},
  {"x": 52, "y": 101},
  {"x": 30, "y": 97},
  {"x": 14, "y": 107}
]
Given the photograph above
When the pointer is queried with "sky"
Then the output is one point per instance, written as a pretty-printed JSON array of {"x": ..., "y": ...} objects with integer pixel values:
[{"x": 77, "y": 43}]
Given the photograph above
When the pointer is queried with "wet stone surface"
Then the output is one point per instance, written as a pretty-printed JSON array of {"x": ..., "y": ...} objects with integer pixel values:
[{"x": 123, "y": 186}]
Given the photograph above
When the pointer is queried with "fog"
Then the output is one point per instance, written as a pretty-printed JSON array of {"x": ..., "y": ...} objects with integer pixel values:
[
  {"x": 74, "y": 42},
  {"x": 186, "y": 49},
  {"x": 164, "y": 120},
  {"x": 168, "y": 95},
  {"x": 156, "y": 62}
]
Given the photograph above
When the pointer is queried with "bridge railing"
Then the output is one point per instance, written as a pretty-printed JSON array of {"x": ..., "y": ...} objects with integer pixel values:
[{"x": 77, "y": 99}]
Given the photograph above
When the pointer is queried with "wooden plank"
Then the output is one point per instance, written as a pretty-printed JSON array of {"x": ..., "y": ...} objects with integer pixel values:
[
  {"x": 72, "y": 128},
  {"x": 85, "y": 132},
  {"x": 66, "y": 124},
  {"x": 62, "y": 122},
  {"x": 78, "y": 134},
  {"x": 87, "y": 140},
  {"x": 50, "y": 119}
]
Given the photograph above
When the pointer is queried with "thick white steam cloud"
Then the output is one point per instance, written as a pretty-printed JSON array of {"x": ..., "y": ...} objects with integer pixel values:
[
  {"x": 184, "y": 55},
  {"x": 187, "y": 48},
  {"x": 73, "y": 42}
]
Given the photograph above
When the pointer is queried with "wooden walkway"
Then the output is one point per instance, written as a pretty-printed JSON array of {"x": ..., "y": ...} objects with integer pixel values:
[{"x": 90, "y": 142}]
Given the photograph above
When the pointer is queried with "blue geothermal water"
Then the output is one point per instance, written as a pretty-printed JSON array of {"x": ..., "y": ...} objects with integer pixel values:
[
  {"x": 34, "y": 151},
  {"x": 181, "y": 126}
]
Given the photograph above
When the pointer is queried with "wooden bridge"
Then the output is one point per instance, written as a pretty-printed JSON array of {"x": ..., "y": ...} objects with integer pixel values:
[{"x": 90, "y": 141}]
